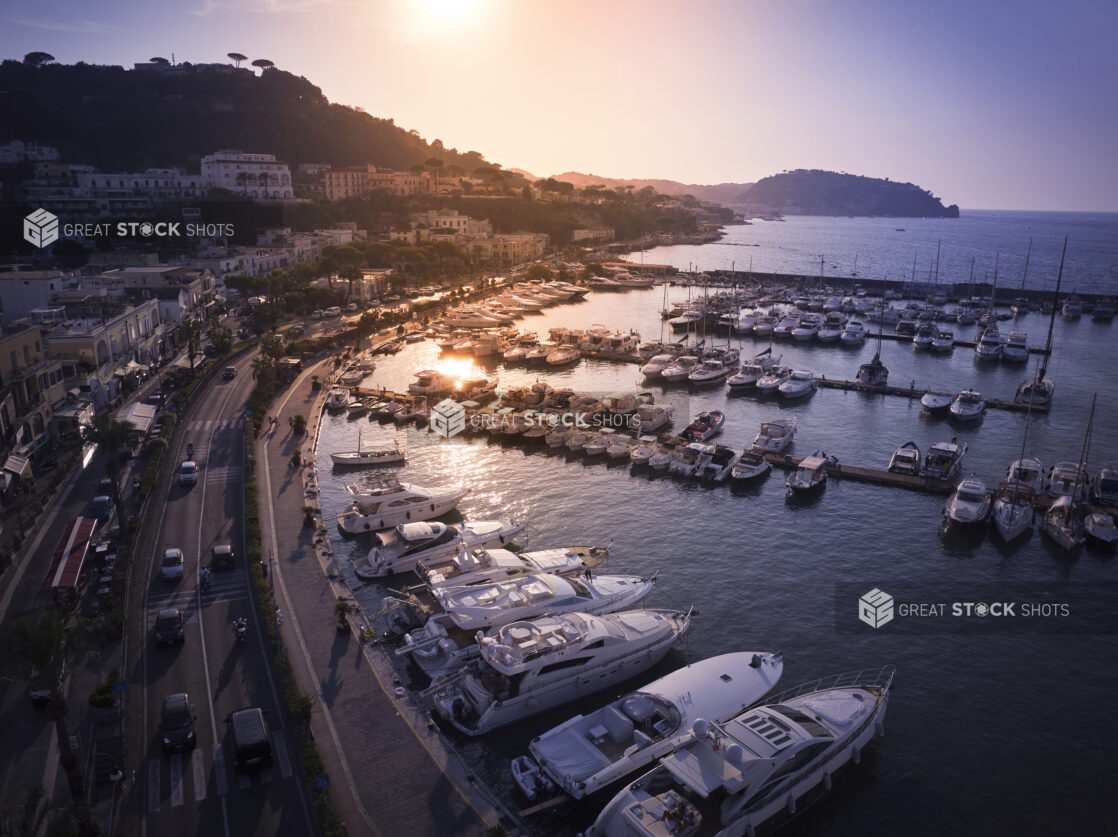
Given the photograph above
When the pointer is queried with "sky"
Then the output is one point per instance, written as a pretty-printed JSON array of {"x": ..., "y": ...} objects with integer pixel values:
[{"x": 989, "y": 104}]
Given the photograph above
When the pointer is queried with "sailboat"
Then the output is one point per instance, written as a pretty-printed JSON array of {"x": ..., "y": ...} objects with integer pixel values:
[
  {"x": 1061, "y": 522},
  {"x": 364, "y": 456},
  {"x": 874, "y": 373},
  {"x": 1020, "y": 306},
  {"x": 1013, "y": 501},
  {"x": 1038, "y": 391}
]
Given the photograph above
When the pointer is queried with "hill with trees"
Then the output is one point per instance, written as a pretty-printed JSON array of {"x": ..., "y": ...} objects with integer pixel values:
[{"x": 815, "y": 192}]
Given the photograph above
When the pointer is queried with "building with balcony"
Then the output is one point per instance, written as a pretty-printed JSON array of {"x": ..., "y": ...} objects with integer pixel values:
[
  {"x": 31, "y": 384},
  {"x": 260, "y": 176}
]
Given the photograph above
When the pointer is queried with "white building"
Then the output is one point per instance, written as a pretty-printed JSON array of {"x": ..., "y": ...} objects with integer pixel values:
[
  {"x": 18, "y": 151},
  {"x": 259, "y": 175},
  {"x": 450, "y": 219},
  {"x": 164, "y": 184},
  {"x": 22, "y": 291}
]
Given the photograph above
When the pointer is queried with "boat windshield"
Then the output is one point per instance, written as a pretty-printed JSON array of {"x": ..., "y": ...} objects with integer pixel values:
[{"x": 809, "y": 724}]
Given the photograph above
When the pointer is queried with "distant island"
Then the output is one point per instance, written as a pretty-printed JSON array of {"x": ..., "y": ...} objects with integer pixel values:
[{"x": 814, "y": 192}]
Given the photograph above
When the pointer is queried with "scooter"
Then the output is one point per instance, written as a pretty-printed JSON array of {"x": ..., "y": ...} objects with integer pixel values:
[
  {"x": 240, "y": 628},
  {"x": 189, "y": 450},
  {"x": 205, "y": 577}
]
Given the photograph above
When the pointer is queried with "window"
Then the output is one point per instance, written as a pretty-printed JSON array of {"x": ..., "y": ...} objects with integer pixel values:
[{"x": 564, "y": 664}]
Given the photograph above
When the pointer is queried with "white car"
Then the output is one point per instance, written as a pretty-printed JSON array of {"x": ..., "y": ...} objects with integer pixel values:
[
  {"x": 188, "y": 473},
  {"x": 172, "y": 564}
]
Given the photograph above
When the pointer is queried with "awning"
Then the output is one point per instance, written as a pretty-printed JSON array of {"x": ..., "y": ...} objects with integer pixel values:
[
  {"x": 141, "y": 416},
  {"x": 18, "y": 465},
  {"x": 69, "y": 555}
]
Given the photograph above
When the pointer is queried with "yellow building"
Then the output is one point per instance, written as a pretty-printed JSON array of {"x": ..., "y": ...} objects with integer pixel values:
[{"x": 30, "y": 385}]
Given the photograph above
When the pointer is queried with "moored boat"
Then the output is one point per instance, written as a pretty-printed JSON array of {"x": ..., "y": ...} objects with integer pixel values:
[
  {"x": 398, "y": 550},
  {"x": 775, "y": 436},
  {"x": 810, "y": 475},
  {"x": 969, "y": 505},
  {"x": 750, "y": 466},
  {"x": 906, "y": 459}
]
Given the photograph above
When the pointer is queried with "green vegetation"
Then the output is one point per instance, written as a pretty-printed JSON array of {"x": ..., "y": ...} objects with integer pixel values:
[{"x": 814, "y": 192}]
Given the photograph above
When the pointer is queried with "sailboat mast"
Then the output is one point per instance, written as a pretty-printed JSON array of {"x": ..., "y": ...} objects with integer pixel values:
[
  {"x": 1055, "y": 305},
  {"x": 1028, "y": 253},
  {"x": 1082, "y": 459}
]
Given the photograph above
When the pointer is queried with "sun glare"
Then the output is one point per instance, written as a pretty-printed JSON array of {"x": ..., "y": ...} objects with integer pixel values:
[{"x": 448, "y": 11}]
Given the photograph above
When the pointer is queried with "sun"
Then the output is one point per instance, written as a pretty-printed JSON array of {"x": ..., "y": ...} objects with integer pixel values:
[{"x": 448, "y": 11}]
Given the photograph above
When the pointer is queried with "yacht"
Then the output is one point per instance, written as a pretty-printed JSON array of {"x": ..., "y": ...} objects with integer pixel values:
[
  {"x": 656, "y": 365},
  {"x": 750, "y": 373},
  {"x": 720, "y": 464},
  {"x": 989, "y": 345},
  {"x": 589, "y": 752},
  {"x": 563, "y": 356},
  {"x": 1062, "y": 524},
  {"x": 943, "y": 342},
  {"x": 1027, "y": 473},
  {"x": 383, "y": 505},
  {"x": 398, "y": 550},
  {"x": 1099, "y": 528},
  {"x": 969, "y": 505},
  {"x": 687, "y": 320},
  {"x": 750, "y": 466},
  {"x": 678, "y": 371},
  {"x": 924, "y": 336},
  {"x": 643, "y": 451},
  {"x": 874, "y": 373},
  {"x": 431, "y": 382},
  {"x": 775, "y": 436},
  {"x": 809, "y": 327},
  {"x": 691, "y": 458},
  {"x": 967, "y": 406},
  {"x": 710, "y": 373},
  {"x": 484, "y": 565},
  {"x": 748, "y": 775},
  {"x": 367, "y": 456},
  {"x": 906, "y": 459},
  {"x": 1016, "y": 349},
  {"x": 786, "y": 326},
  {"x": 337, "y": 399},
  {"x": 809, "y": 476},
  {"x": 705, "y": 426},
  {"x": 1012, "y": 510},
  {"x": 518, "y": 350},
  {"x": 798, "y": 384},
  {"x": 764, "y": 326},
  {"x": 1073, "y": 308},
  {"x": 533, "y": 594},
  {"x": 529, "y": 667},
  {"x": 539, "y": 352},
  {"x": 936, "y": 403},
  {"x": 1067, "y": 479},
  {"x": 651, "y": 417},
  {"x": 745, "y": 322},
  {"x": 601, "y": 441},
  {"x": 832, "y": 327},
  {"x": 774, "y": 376},
  {"x": 665, "y": 454},
  {"x": 854, "y": 334},
  {"x": 1104, "y": 487},
  {"x": 943, "y": 460}
]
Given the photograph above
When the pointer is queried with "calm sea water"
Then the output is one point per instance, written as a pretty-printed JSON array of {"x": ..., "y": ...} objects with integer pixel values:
[{"x": 990, "y": 734}]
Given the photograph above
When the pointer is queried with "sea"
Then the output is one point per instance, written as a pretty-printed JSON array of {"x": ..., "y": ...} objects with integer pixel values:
[{"x": 996, "y": 724}]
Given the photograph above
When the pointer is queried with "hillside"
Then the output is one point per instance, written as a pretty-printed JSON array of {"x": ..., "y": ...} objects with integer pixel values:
[
  {"x": 723, "y": 193},
  {"x": 814, "y": 192},
  {"x": 128, "y": 120}
]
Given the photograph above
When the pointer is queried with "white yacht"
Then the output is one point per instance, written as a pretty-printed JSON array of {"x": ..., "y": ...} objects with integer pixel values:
[
  {"x": 745, "y": 322},
  {"x": 969, "y": 505},
  {"x": 656, "y": 365},
  {"x": 383, "y": 505},
  {"x": 601, "y": 442},
  {"x": 750, "y": 373},
  {"x": 906, "y": 459},
  {"x": 874, "y": 373},
  {"x": 686, "y": 320},
  {"x": 563, "y": 355},
  {"x": 651, "y": 417},
  {"x": 483, "y": 565},
  {"x": 398, "y": 550},
  {"x": 710, "y": 373},
  {"x": 854, "y": 334},
  {"x": 720, "y": 464},
  {"x": 337, "y": 399},
  {"x": 775, "y": 436},
  {"x": 527, "y": 596},
  {"x": 990, "y": 344},
  {"x": 588, "y": 752},
  {"x": 1104, "y": 487},
  {"x": 431, "y": 382},
  {"x": 764, "y": 326},
  {"x": 665, "y": 454},
  {"x": 798, "y": 384},
  {"x": 643, "y": 451},
  {"x": 943, "y": 342},
  {"x": 366, "y": 456},
  {"x": 1066, "y": 480},
  {"x": 529, "y": 667},
  {"x": 809, "y": 327},
  {"x": 678, "y": 371},
  {"x": 691, "y": 458},
  {"x": 772, "y": 379},
  {"x": 751, "y": 465},
  {"x": 925, "y": 336},
  {"x": 1100, "y": 528},
  {"x": 943, "y": 460},
  {"x": 1027, "y": 473},
  {"x": 750, "y": 774},
  {"x": 936, "y": 403},
  {"x": 810, "y": 475},
  {"x": 967, "y": 406},
  {"x": 1016, "y": 348},
  {"x": 786, "y": 326}
]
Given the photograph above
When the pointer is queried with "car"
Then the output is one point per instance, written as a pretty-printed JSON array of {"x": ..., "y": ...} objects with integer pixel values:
[
  {"x": 351, "y": 307},
  {"x": 317, "y": 314},
  {"x": 297, "y": 330},
  {"x": 209, "y": 350},
  {"x": 188, "y": 473},
  {"x": 101, "y": 507},
  {"x": 176, "y": 723},
  {"x": 252, "y": 743},
  {"x": 171, "y": 570},
  {"x": 332, "y": 311},
  {"x": 168, "y": 626},
  {"x": 229, "y": 372},
  {"x": 222, "y": 557}
]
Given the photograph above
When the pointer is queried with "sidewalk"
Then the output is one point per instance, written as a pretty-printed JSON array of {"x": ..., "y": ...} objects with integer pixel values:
[{"x": 390, "y": 773}]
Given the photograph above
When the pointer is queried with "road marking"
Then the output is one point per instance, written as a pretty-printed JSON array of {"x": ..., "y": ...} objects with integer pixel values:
[
  {"x": 153, "y": 786},
  {"x": 219, "y": 771},
  {"x": 280, "y": 748},
  {"x": 244, "y": 781},
  {"x": 176, "y": 780},
  {"x": 199, "y": 774}
]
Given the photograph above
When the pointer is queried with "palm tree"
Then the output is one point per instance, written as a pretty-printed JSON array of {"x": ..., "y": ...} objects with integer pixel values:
[
  {"x": 190, "y": 331},
  {"x": 111, "y": 436}
]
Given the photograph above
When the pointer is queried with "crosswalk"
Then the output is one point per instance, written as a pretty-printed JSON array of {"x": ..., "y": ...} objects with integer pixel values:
[
  {"x": 224, "y": 587},
  {"x": 214, "y": 425},
  {"x": 173, "y": 780}
]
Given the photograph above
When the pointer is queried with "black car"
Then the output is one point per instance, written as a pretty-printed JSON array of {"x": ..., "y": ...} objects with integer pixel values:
[
  {"x": 176, "y": 723},
  {"x": 252, "y": 743},
  {"x": 168, "y": 626},
  {"x": 229, "y": 373},
  {"x": 209, "y": 350}
]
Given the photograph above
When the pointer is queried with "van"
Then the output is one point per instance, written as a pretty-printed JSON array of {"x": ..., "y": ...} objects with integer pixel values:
[
  {"x": 252, "y": 745},
  {"x": 188, "y": 473},
  {"x": 229, "y": 373}
]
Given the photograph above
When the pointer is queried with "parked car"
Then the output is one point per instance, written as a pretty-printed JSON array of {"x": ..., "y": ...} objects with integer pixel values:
[
  {"x": 332, "y": 311},
  {"x": 252, "y": 744},
  {"x": 176, "y": 723},
  {"x": 169, "y": 626},
  {"x": 172, "y": 564},
  {"x": 101, "y": 507},
  {"x": 222, "y": 557}
]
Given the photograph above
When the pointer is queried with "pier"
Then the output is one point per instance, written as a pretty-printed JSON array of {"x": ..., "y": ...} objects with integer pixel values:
[
  {"x": 913, "y": 391},
  {"x": 839, "y": 469}
]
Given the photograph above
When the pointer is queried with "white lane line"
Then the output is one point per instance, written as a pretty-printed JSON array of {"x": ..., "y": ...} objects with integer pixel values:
[
  {"x": 219, "y": 771},
  {"x": 154, "y": 801},
  {"x": 244, "y": 781},
  {"x": 177, "y": 797},
  {"x": 199, "y": 771},
  {"x": 279, "y": 747}
]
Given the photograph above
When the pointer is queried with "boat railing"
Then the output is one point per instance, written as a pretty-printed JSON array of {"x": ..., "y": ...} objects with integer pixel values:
[{"x": 881, "y": 678}]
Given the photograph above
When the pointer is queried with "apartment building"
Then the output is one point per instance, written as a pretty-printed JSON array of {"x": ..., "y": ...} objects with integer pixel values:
[{"x": 261, "y": 176}]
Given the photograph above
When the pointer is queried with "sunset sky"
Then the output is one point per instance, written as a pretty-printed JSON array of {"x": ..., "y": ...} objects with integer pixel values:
[{"x": 1005, "y": 105}]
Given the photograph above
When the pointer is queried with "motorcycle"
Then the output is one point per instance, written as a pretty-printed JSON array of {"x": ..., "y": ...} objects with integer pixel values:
[
  {"x": 206, "y": 579},
  {"x": 240, "y": 628},
  {"x": 189, "y": 450}
]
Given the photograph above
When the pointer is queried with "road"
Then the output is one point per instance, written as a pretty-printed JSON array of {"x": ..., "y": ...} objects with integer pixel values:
[{"x": 198, "y": 791}]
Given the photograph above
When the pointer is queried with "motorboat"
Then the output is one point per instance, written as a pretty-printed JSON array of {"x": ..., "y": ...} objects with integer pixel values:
[
  {"x": 990, "y": 344},
  {"x": 750, "y": 373},
  {"x": 528, "y": 667},
  {"x": 589, "y": 752},
  {"x": 431, "y": 382},
  {"x": 1016, "y": 349},
  {"x": 563, "y": 356},
  {"x": 1028, "y": 473},
  {"x": 367, "y": 456},
  {"x": 874, "y": 373},
  {"x": 936, "y": 403},
  {"x": 1062, "y": 524},
  {"x": 772, "y": 379},
  {"x": 579, "y": 439},
  {"x": 1099, "y": 527},
  {"x": 518, "y": 350},
  {"x": 620, "y": 446},
  {"x": 798, "y": 384},
  {"x": 705, "y": 426},
  {"x": 484, "y": 565},
  {"x": 710, "y": 373},
  {"x": 678, "y": 371},
  {"x": 1104, "y": 487},
  {"x": 1068, "y": 479},
  {"x": 775, "y": 436},
  {"x": 925, "y": 334},
  {"x": 1012, "y": 510},
  {"x": 651, "y": 417},
  {"x": 388, "y": 409},
  {"x": 1072, "y": 308},
  {"x": 943, "y": 342},
  {"x": 358, "y": 407},
  {"x": 656, "y": 365},
  {"x": 969, "y": 505},
  {"x": 665, "y": 454},
  {"x": 687, "y": 320},
  {"x": 809, "y": 327},
  {"x": 967, "y": 406},
  {"x": 764, "y": 326},
  {"x": 691, "y": 458},
  {"x": 831, "y": 329},
  {"x": 810, "y": 475},
  {"x": 383, "y": 505},
  {"x": 643, "y": 451},
  {"x": 557, "y": 438},
  {"x": 530, "y": 779},
  {"x": 943, "y": 460},
  {"x": 539, "y": 352},
  {"x": 337, "y": 399},
  {"x": 786, "y": 326},
  {"x": 718, "y": 467},
  {"x": 744, "y": 322},
  {"x": 906, "y": 459},
  {"x": 398, "y": 550},
  {"x": 601, "y": 442},
  {"x": 854, "y": 334},
  {"x": 750, "y": 466},
  {"x": 748, "y": 775},
  {"x": 1104, "y": 311}
]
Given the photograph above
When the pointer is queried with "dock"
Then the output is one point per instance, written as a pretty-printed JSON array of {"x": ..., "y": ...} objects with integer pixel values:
[
  {"x": 871, "y": 475},
  {"x": 914, "y": 391}
]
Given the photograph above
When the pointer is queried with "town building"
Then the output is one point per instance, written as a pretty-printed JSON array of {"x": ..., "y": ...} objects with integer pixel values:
[
  {"x": 260, "y": 176},
  {"x": 510, "y": 248},
  {"x": 31, "y": 383},
  {"x": 596, "y": 232},
  {"x": 22, "y": 290},
  {"x": 18, "y": 151}
]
